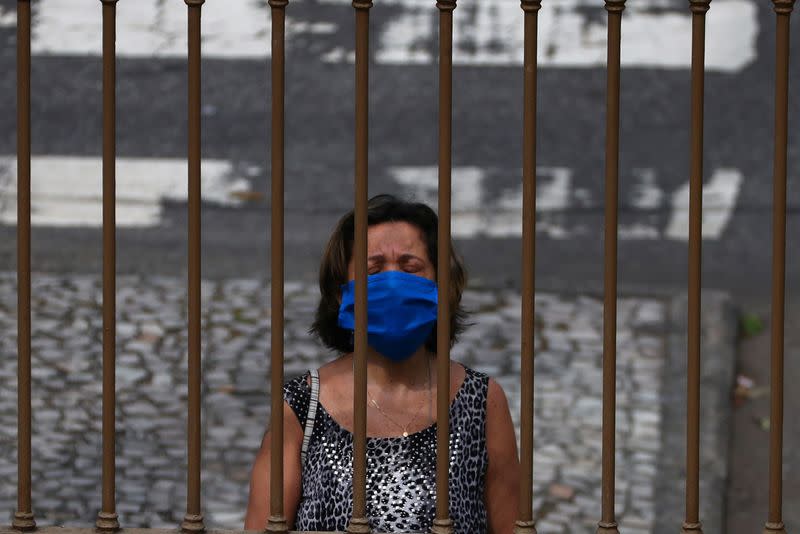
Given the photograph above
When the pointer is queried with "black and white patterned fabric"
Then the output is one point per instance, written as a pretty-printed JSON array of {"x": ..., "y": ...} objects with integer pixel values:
[{"x": 401, "y": 471}]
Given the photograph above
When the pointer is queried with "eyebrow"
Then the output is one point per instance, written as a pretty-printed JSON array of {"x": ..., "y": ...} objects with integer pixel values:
[{"x": 403, "y": 257}]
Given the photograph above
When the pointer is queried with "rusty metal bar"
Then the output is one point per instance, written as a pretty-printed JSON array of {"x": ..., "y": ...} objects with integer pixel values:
[
  {"x": 442, "y": 524},
  {"x": 359, "y": 523},
  {"x": 692, "y": 519},
  {"x": 23, "y": 517},
  {"x": 608, "y": 524},
  {"x": 783, "y": 9},
  {"x": 525, "y": 523},
  {"x": 277, "y": 519},
  {"x": 193, "y": 520},
  {"x": 107, "y": 517}
]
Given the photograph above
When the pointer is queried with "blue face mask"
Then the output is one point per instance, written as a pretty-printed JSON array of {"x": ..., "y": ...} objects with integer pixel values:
[{"x": 401, "y": 312}]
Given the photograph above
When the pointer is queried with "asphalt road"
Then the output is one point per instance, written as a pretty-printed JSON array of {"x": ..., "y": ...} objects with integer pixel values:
[{"x": 403, "y": 105}]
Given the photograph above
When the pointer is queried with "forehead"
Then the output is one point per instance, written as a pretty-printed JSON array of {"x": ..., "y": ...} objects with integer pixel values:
[{"x": 395, "y": 235}]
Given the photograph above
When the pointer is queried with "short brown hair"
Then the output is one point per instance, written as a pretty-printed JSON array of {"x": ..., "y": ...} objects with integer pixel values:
[{"x": 333, "y": 269}]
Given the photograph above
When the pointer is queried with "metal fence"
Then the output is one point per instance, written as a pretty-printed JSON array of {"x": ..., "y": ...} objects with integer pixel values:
[{"x": 24, "y": 519}]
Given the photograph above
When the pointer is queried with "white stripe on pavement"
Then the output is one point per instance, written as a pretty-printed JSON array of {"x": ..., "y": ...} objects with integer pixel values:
[
  {"x": 67, "y": 190},
  {"x": 476, "y": 213},
  {"x": 719, "y": 198},
  {"x": 154, "y": 28},
  {"x": 572, "y": 33},
  {"x": 473, "y": 215},
  {"x": 646, "y": 194}
]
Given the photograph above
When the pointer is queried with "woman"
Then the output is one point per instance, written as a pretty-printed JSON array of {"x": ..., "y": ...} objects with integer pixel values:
[{"x": 401, "y": 393}]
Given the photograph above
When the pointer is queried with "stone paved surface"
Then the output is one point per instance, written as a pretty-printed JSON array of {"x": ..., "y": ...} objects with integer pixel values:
[{"x": 151, "y": 384}]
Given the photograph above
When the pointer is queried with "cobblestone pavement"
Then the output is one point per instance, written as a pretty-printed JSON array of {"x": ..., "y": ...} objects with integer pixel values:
[{"x": 151, "y": 384}]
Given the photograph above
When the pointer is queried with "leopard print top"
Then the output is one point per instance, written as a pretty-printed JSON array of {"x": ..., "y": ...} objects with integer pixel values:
[{"x": 401, "y": 471}]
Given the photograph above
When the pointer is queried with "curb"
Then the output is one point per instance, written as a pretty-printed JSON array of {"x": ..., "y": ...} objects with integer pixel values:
[{"x": 719, "y": 333}]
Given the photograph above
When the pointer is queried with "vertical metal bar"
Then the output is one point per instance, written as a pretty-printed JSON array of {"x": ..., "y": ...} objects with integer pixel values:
[
  {"x": 359, "y": 523},
  {"x": 525, "y": 523},
  {"x": 608, "y": 524},
  {"x": 107, "y": 517},
  {"x": 692, "y": 519},
  {"x": 193, "y": 520},
  {"x": 23, "y": 517},
  {"x": 783, "y": 9},
  {"x": 442, "y": 524},
  {"x": 277, "y": 520}
]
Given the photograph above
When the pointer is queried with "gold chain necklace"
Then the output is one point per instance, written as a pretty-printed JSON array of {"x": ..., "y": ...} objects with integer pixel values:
[{"x": 416, "y": 414}]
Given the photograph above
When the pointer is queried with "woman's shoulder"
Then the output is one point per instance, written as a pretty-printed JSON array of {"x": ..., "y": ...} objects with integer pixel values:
[
  {"x": 297, "y": 394},
  {"x": 298, "y": 383},
  {"x": 471, "y": 374},
  {"x": 484, "y": 391},
  {"x": 489, "y": 387},
  {"x": 472, "y": 389},
  {"x": 471, "y": 370}
]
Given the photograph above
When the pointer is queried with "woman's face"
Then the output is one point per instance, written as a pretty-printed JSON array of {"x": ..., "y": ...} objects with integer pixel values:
[{"x": 395, "y": 246}]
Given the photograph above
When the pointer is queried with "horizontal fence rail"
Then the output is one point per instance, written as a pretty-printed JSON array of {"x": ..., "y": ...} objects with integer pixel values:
[{"x": 107, "y": 519}]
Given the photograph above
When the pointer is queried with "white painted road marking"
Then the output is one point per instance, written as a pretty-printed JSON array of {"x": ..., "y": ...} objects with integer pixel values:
[
  {"x": 472, "y": 215},
  {"x": 646, "y": 194},
  {"x": 238, "y": 29},
  {"x": 655, "y": 33},
  {"x": 568, "y": 35},
  {"x": 67, "y": 191},
  {"x": 475, "y": 214},
  {"x": 719, "y": 196}
]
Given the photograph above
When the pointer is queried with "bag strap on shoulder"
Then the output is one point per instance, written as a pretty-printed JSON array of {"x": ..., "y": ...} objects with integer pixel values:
[{"x": 312, "y": 413}]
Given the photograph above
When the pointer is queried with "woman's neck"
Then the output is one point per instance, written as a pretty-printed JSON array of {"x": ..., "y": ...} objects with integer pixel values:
[{"x": 411, "y": 373}]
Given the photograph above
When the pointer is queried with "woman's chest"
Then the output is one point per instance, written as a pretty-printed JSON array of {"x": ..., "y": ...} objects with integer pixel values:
[
  {"x": 389, "y": 460},
  {"x": 401, "y": 480},
  {"x": 401, "y": 477},
  {"x": 392, "y": 463}
]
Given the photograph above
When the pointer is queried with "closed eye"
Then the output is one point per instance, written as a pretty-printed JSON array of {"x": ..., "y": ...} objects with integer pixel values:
[
  {"x": 411, "y": 263},
  {"x": 375, "y": 264}
]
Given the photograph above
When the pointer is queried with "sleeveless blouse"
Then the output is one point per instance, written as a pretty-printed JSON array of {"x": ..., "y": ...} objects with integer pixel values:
[{"x": 401, "y": 471}]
